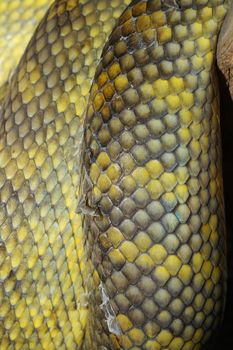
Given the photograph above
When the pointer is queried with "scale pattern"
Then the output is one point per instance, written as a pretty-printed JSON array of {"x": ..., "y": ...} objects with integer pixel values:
[
  {"x": 152, "y": 153},
  {"x": 42, "y": 261},
  {"x": 18, "y": 20}
]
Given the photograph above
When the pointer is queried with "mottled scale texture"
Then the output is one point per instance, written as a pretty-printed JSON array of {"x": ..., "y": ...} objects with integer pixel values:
[
  {"x": 152, "y": 156},
  {"x": 43, "y": 293}
]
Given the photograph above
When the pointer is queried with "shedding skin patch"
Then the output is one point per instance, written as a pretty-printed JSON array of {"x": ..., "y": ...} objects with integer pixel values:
[{"x": 109, "y": 313}]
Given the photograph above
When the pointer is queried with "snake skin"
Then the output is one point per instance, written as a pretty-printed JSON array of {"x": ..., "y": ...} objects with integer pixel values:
[
  {"x": 143, "y": 265},
  {"x": 152, "y": 151},
  {"x": 18, "y": 20},
  {"x": 42, "y": 262}
]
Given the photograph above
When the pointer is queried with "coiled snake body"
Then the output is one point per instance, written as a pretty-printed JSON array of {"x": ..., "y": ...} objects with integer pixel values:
[{"x": 111, "y": 238}]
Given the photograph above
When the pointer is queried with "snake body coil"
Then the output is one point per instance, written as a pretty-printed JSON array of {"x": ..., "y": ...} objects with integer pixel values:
[{"x": 143, "y": 266}]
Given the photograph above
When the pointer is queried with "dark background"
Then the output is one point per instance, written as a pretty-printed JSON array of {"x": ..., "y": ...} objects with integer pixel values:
[{"x": 224, "y": 337}]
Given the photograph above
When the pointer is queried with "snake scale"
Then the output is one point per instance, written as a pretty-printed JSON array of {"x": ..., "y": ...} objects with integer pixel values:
[{"x": 112, "y": 232}]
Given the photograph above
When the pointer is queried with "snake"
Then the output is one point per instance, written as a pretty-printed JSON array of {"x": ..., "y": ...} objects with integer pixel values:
[{"x": 112, "y": 226}]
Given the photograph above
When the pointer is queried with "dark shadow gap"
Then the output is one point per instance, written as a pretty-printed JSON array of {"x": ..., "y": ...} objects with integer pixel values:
[{"x": 224, "y": 337}]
